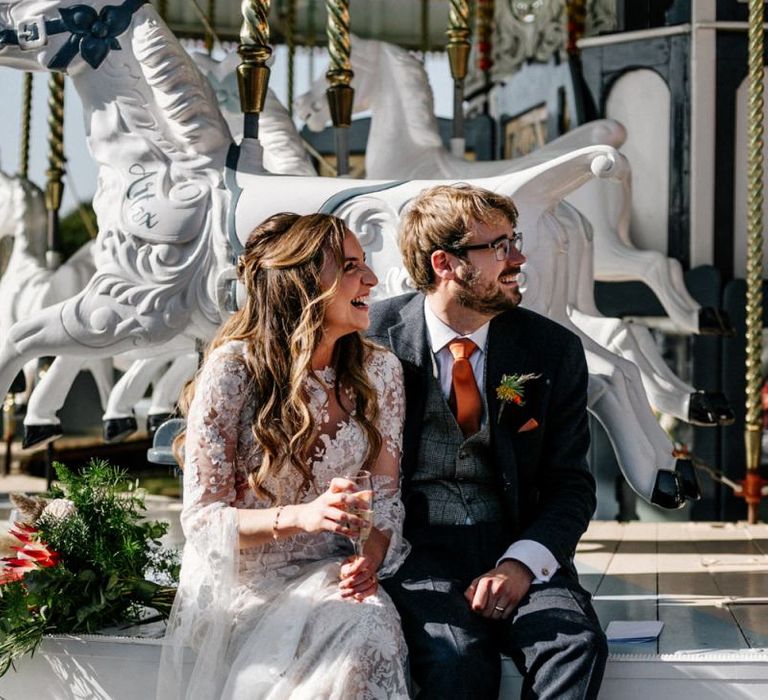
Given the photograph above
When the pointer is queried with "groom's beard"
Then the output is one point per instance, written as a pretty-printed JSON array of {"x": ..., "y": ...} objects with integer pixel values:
[{"x": 489, "y": 298}]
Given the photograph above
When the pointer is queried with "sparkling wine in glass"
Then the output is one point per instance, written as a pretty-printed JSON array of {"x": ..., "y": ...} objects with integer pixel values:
[{"x": 363, "y": 507}]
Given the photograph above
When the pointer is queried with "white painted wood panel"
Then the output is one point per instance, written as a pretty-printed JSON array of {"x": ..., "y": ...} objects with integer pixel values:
[{"x": 640, "y": 101}]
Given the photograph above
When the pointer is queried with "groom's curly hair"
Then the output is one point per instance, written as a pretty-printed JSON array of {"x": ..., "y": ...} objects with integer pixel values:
[
  {"x": 281, "y": 324},
  {"x": 440, "y": 218}
]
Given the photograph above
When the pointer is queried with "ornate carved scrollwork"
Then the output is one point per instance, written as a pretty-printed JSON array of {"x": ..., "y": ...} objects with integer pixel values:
[
  {"x": 536, "y": 30},
  {"x": 527, "y": 30}
]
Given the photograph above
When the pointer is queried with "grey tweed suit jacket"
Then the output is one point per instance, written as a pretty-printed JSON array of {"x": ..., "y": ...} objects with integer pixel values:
[{"x": 548, "y": 491}]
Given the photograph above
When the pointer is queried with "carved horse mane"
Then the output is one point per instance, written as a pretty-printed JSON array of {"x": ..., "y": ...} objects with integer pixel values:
[
  {"x": 187, "y": 115},
  {"x": 413, "y": 90}
]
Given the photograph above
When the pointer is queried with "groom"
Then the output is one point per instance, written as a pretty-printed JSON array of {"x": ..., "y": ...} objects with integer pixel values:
[{"x": 495, "y": 484}]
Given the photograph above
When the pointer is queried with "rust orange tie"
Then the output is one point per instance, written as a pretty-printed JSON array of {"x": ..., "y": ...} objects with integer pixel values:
[{"x": 465, "y": 400}]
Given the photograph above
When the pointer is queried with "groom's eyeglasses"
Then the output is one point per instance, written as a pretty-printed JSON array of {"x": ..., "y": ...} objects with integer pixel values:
[{"x": 501, "y": 246}]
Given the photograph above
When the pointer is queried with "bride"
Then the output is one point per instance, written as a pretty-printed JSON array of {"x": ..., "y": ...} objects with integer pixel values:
[{"x": 290, "y": 401}]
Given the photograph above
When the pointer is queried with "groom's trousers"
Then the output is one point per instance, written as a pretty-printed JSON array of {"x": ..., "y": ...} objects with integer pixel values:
[{"x": 553, "y": 637}]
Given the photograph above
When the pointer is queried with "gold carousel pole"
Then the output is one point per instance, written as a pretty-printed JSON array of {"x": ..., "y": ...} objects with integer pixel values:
[
  {"x": 340, "y": 93},
  {"x": 311, "y": 37},
  {"x": 290, "y": 40},
  {"x": 209, "y": 35},
  {"x": 458, "y": 56},
  {"x": 54, "y": 188},
  {"x": 54, "y": 191},
  {"x": 753, "y": 486},
  {"x": 484, "y": 23},
  {"x": 26, "y": 125},
  {"x": 484, "y": 44},
  {"x": 253, "y": 72},
  {"x": 424, "y": 27},
  {"x": 576, "y": 12}
]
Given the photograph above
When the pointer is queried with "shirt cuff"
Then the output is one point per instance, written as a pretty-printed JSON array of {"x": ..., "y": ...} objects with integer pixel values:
[{"x": 535, "y": 556}]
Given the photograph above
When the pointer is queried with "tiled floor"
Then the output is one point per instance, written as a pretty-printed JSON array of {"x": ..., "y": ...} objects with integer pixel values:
[{"x": 707, "y": 582}]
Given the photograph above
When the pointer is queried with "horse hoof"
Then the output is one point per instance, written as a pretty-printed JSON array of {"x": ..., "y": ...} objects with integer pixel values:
[
  {"x": 155, "y": 420},
  {"x": 714, "y": 321},
  {"x": 689, "y": 484},
  {"x": 40, "y": 434},
  {"x": 667, "y": 491},
  {"x": 117, "y": 429},
  {"x": 710, "y": 408}
]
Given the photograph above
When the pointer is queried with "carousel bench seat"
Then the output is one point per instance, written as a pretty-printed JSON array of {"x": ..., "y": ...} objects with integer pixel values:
[
  {"x": 705, "y": 581},
  {"x": 125, "y": 668}
]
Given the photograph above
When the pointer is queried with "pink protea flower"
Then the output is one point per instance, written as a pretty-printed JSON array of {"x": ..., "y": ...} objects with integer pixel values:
[
  {"x": 22, "y": 532},
  {"x": 10, "y": 574},
  {"x": 33, "y": 554}
]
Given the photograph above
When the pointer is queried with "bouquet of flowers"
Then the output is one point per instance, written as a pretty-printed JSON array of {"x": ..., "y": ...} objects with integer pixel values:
[{"x": 82, "y": 560}]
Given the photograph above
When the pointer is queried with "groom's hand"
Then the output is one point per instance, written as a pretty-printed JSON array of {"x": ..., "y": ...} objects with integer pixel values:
[{"x": 496, "y": 594}]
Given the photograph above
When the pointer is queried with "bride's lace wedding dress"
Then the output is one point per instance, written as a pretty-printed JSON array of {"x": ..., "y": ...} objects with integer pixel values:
[{"x": 269, "y": 622}]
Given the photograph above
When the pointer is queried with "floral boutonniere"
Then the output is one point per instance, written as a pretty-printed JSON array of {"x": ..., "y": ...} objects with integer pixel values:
[{"x": 512, "y": 388}]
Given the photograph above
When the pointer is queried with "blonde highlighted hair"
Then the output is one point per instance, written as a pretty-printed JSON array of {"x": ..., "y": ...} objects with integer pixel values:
[
  {"x": 439, "y": 218},
  {"x": 281, "y": 325}
]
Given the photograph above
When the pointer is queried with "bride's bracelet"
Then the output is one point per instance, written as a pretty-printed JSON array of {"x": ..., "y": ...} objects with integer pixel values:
[{"x": 277, "y": 518}]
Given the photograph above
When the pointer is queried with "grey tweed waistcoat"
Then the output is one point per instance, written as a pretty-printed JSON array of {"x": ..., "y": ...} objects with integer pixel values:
[{"x": 454, "y": 475}]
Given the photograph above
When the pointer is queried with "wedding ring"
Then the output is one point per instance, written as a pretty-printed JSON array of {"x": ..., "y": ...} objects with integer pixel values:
[{"x": 499, "y": 609}]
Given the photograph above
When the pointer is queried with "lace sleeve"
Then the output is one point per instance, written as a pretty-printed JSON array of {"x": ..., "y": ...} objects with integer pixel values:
[
  {"x": 386, "y": 375},
  {"x": 210, "y": 446},
  {"x": 202, "y": 616}
]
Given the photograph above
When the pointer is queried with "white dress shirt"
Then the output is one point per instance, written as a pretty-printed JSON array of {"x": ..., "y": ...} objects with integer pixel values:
[{"x": 535, "y": 556}]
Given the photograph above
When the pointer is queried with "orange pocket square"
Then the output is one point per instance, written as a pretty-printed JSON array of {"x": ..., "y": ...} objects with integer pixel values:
[{"x": 530, "y": 424}]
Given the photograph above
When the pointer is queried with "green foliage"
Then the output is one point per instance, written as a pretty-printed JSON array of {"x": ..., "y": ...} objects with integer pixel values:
[
  {"x": 73, "y": 233},
  {"x": 105, "y": 554}
]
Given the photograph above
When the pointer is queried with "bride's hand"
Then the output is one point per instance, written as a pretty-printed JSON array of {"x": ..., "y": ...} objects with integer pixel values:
[
  {"x": 329, "y": 511},
  {"x": 357, "y": 578}
]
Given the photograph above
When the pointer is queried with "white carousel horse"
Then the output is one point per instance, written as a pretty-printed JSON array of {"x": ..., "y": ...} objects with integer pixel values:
[
  {"x": 150, "y": 285},
  {"x": 163, "y": 254},
  {"x": 390, "y": 81},
  {"x": 27, "y": 285},
  {"x": 404, "y": 142},
  {"x": 284, "y": 153}
]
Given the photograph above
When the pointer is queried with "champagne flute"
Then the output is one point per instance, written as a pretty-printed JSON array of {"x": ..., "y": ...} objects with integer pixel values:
[{"x": 362, "y": 507}]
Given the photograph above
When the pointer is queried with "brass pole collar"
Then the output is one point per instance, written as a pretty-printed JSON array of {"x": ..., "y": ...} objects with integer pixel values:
[
  {"x": 340, "y": 100},
  {"x": 253, "y": 77},
  {"x": 458, "y": 57}
]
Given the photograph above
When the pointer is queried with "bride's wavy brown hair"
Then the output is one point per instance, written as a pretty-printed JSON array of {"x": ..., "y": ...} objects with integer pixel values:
[{"x": 281, "y": 324}]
